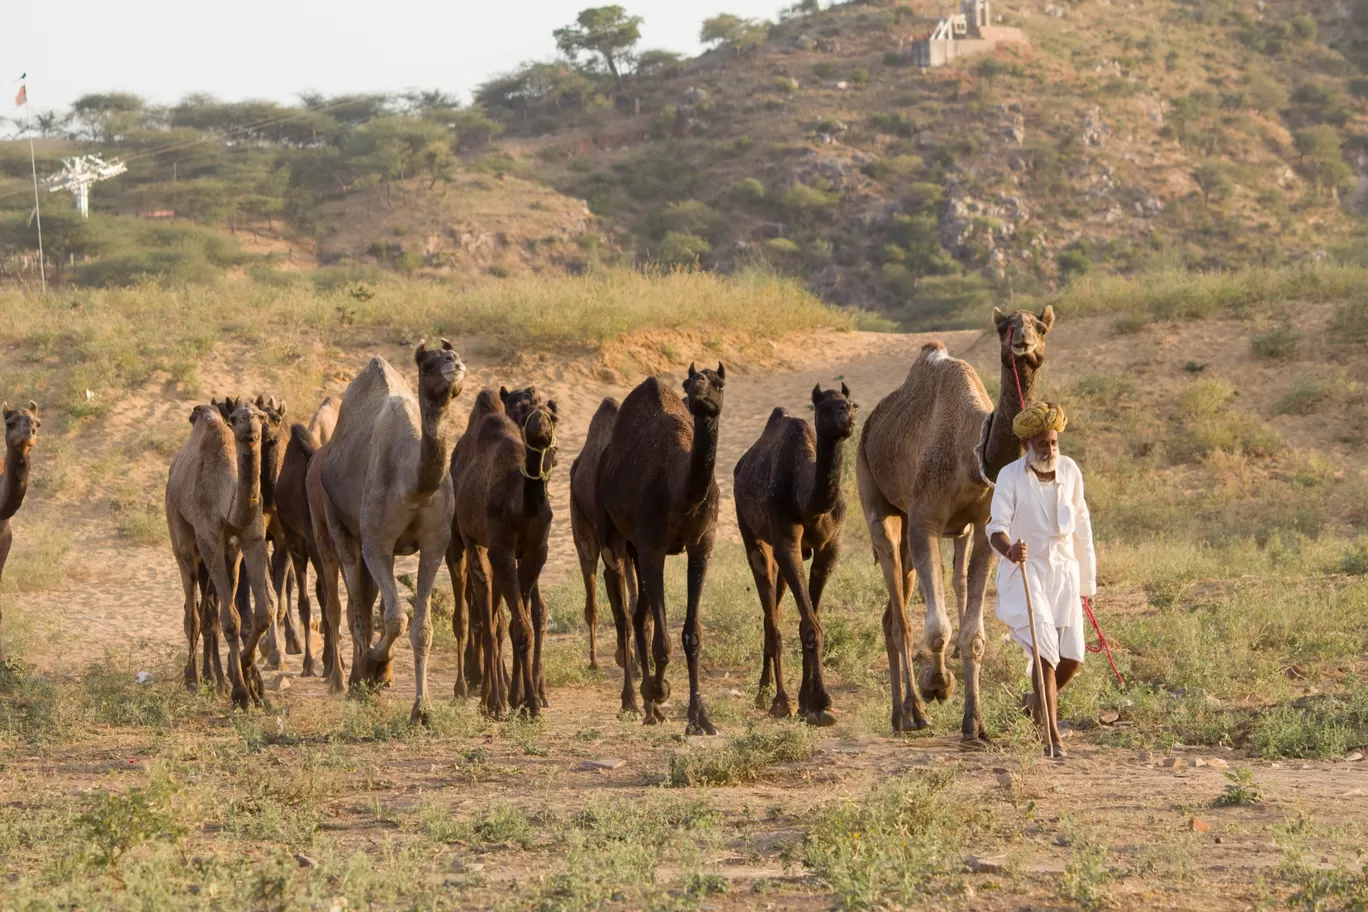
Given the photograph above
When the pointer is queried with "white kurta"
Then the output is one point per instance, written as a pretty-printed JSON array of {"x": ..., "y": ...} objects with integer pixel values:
[{"x": 1052, "y": 518}]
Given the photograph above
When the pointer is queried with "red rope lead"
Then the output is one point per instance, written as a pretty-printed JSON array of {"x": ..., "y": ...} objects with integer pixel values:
[{"x": 1102, "y": 644}]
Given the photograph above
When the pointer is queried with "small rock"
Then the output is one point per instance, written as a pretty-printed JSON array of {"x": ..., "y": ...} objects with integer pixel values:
[
  {"x": 278, "y": 683},
  {"x": 1217, "y": 763},
  {"x": 337, "y": 904},
  {"x": 1354, "y": 757},
  {"x": 607, "y": 765},
  {"x": 995, "y": 864},
  {"x": 1169, "y": 762},
  {"x": 144, "y": 677},
  {"x": 304, "y": 860},
  {"x": 1216, "y": 839},
  {"x": 1006, "y": 780},
  {"x": 1197, "y": 761},
  {"x": 1197, "y": 825}
]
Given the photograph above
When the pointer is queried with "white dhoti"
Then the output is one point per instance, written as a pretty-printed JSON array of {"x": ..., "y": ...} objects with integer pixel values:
[{"x": 1052, "y": 518}]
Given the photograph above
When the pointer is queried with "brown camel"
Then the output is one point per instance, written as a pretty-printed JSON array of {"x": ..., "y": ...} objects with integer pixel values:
[
  {"x": 214, "y": 515},
  {"x": 503, "y": 515},
  {"x": 296, "y": 525},
  {"x": 386, "y": 491},
  {"x": 657, "y": 496},
  {"x": 583, "y": 510},
  {"x": 927, "y": 458},
  {"x": 790, "y": 507},
  {"x": 21, "y": 432}
]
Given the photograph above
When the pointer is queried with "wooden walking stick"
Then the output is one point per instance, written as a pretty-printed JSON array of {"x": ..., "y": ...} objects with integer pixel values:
[{"x": 1041, "y": 700}]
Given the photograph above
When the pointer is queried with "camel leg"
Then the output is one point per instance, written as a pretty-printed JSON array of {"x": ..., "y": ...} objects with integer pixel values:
[
  {"x": 885, "y": 535},
  {"x": 504, "y": 564},
  {"x": 616, "y": 568},
  {"x": 189, "y": 565},
  {"x": 300, "y": 564},
  {"x": 460, "y": 619},
  {"x": 212, "y": 662},
  {"x": 256, "y": 563},
  {"x": 420, "y": 632},
  {"x": 961, "y": 585},
  {"x": 587, "y": 548},
  {"x": 287, "y": 586},
  {"x": 223, "y": 571},
  {"x": 765, "y": 572},
  {"x": 823, "y": 563},
  {"x": 6, "y": 540},
  {"x": 537, "y": 606},
  {"x": 971, "y": 641},
  {"x": 329, "y": 571},
  {"x": 494, "y": 696},
  {"x": 274, "y": 638},
  {"x": 937, "y": 681},
  {"x": 378, "y": 661},
  {"x": 699, "y": 555},
  {"x": 813, "y": 702},
  {"x": 912, "y": 704},
  {"x": 655, "y": 689}
]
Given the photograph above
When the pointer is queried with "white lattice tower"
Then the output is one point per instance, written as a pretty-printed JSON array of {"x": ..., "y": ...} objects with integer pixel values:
[{"x": 79, "y": 174}]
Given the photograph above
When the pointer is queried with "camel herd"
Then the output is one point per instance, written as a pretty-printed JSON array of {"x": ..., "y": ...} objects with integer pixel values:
[{"x": 251, "y": 505}]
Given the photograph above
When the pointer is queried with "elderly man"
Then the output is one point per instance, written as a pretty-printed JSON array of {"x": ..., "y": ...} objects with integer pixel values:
[{"x": 1040, "y": 524}]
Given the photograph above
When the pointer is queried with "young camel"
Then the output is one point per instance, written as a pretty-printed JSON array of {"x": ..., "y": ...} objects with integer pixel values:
[
  {"x": 927, "y": 459},
  {"x": 387, "y": 491},
  {"x": 790, "y": 507},
  {"x": 504, "y": 517},
  {"x": 583, "y": 510},
  {"x": 657, "y": 496},
  {"x": 296, "y": 525},
  {"x": 21, "y": 432},
  {"x": 214, "y": 515}
]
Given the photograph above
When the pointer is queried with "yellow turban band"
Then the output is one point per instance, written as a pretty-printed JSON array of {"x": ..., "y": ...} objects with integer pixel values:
[{"x": 1036, "y": 419}]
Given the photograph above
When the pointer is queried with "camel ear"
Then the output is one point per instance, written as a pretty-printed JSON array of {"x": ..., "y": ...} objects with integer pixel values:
[
  {"x": 1047, "y": 318},
  {"x": 279, "y": 406},
  {"x": 446, "y": 346},
  {"x": 261, "y": 402},
  {"x": 845, "y": 390},
  {"x": 551, "y": 404},
  {"x": 817, "y": 394},
  {"x": 693, "y": 369},
  {"x": 420, "y": 351},
  {"x": 504, "y": 394},
  {"x": 999, "y": 318},
  {"x": 5, "y": 409},
  {"x": 721, "y": 370}
]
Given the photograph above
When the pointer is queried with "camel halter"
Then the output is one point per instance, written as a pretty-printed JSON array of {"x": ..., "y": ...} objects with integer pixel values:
[
  {"x": 543, "y": 469},
  {"x": 1102, "y": 644}
]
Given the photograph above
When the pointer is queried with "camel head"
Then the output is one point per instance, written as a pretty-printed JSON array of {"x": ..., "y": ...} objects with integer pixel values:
[
  {"x": 246, "y": 421},
  {"x": 273, "y": 439},
  {"x": 539, "y": 430},
  {"x": 441, "y": 373},
  {"x": 21, "y": 426},
  {"x": 1027, "y": 334},
  {"x": 519, "y": 404},
  {"x": 205, "y": 413},
  {"x": 834, "y": 412},
  {"x": 227, "y": 407},
  {"x": 703, "y": 390}
]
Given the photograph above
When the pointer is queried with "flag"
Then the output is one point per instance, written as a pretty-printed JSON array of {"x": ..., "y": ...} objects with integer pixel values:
[{"x": 22, "y": 98}]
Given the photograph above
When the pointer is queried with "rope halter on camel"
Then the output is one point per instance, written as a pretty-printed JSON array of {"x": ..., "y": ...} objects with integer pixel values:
[{"x": 545, "y": 454}]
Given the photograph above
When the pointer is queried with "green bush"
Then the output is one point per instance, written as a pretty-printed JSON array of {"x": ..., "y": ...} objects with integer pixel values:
[
  {"x": 750, "y": 190},
  {"x": 687, "y": 217},
  {"x": 1277, "y": 344},
  {"x": 679, "y": 248},
  {"x": 1073, "y": 263},
  {"x": 1304, "y": 398},
  {"x": 802, "y": 200}
]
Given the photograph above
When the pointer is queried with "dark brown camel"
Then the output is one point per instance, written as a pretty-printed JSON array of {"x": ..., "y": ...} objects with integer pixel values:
[
  {"x": 296, "y": 523},
  {"x": 21, "y": 432},
  {"x": 583, "y": 510},
  {"x": 503, "y": 514},
  {"x": 790, "y": 507},
  {"x": 657, "y": 496}
]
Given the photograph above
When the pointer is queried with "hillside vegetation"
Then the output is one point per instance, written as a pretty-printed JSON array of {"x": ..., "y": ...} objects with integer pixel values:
[{"x": 1206, "y": 135}]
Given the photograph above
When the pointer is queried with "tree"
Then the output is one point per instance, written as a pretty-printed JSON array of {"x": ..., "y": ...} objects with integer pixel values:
[
  {"x": 1213, "y": 179},
  {"x": 1265, "y": 93},
  {"x": 532, "y": 85},
  {"x": 604, "y": 30},
  {"x": 742, "y": 35},
  {"x": 1321, "y": 156},
  {"x": 657, "y": 63},
  {"x": 106, "y": 117}
]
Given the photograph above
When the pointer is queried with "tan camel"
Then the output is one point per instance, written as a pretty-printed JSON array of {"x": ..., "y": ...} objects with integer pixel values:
[
  {"x": 657, "y": 496},
  {"x": 387, "y": 491},
  {"x": 292, "y": 511},
  {"x": 21, "y": 432},
  {"x": 789, "y": 506},
  {"x": 927, "y": 458},
  {"x": 504, "y": 518},
  {"x": 214, "y": 515},
  {"x": 583, "y": 510}
]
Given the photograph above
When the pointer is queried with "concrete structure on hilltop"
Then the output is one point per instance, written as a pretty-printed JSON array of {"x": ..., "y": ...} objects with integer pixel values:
[{"x": 965, "y": 34}]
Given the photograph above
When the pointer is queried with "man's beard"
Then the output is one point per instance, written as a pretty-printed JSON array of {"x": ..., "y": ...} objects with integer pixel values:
[{"x": 1045, "y": 466}]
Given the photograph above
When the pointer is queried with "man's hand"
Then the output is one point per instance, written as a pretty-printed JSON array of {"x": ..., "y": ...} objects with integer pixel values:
[{"x": 1017, "y": 553}]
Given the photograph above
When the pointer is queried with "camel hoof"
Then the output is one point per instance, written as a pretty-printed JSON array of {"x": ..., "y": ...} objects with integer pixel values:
[
  {"x": 620, "y": 657},
  {"x": 192, "y": 683},
  {"x": 1055, "y": 752},
  {"x": 651, "y": 715},
  {"x": 700, "y": 725},
  {"x": 937, "y": 686},
  {"x": 241, "y": 698},
  {"x": 823, "y": 718},
  {"x": 911, "y": 725},
  {"x": 308, "y": 670},
  {"x": 419, "y": 716},
  {"x": 459, "y": 690},
  {"x": 593, "y": 665},
  {"x": 781, "y": 709},
  {"x": 974, "y": 743}
]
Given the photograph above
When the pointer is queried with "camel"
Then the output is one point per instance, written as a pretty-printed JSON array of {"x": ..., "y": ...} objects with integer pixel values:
[
  {"x": 925, "y": 466},
  {"x": 503, "y": 514},
  {"x": 296, "y": 525},
  {"x": 583, "y": 510},
  {"x": 657, "y": 496},
  {"x": 790, "y": 507},
  {"x": 214, "y": 515},
  {"x": 21, "y": 432},
  {"x": 386, "y": 491}
]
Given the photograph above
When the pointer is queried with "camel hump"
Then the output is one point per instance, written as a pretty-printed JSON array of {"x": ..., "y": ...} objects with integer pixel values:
[
  {"x": 933, "y": 351},
  {"x": 776, "y": 417},
  {"x": 494, "y": 427},
  {"x": 487, "y": 402},
  {"x": 609, "y": 407},
  {"x": 303, "y": 438}
]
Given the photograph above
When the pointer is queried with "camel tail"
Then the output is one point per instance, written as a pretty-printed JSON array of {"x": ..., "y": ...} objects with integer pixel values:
[{"x": 304, "y": 439}]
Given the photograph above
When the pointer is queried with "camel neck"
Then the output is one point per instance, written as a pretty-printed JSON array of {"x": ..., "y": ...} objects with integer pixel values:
[
  {"x": 824, "y": 488},
  {"x": 271, "y": 458},
  {"x": 247, "y": 496},
  {"x": 702, "y": 459},
  {"x": 434, "y": 462},
  {"x": 536, "y": 465},
  {"x": 14, "y": 483},
  {"x": 1004, "y": 447}
]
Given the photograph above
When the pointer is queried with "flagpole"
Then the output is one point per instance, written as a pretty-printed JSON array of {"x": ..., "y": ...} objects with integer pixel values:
[{"x": 42, "y": 268}]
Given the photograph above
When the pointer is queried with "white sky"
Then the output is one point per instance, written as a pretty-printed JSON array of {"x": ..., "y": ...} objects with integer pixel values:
[{"x": 274, "y": 49}]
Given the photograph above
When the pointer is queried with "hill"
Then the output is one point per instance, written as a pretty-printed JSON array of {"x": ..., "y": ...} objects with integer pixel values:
[{"x": 1204, "y": 135}]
